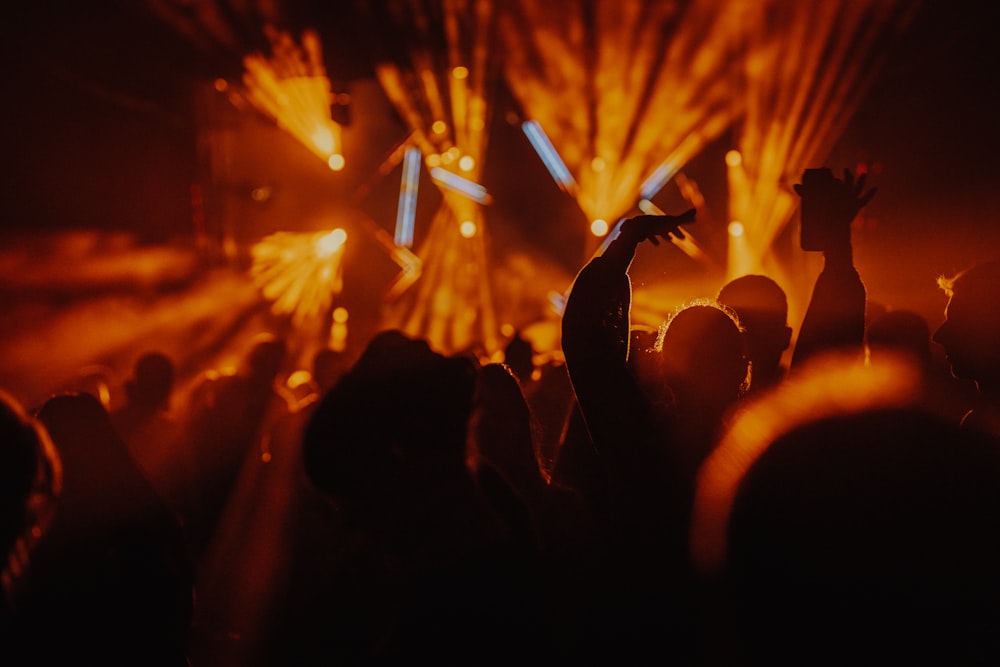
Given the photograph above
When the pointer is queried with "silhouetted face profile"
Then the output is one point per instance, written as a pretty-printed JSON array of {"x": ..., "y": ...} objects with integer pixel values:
[
  {"x": 763, "y": 311},
  {"x": 970, "y": 333}
]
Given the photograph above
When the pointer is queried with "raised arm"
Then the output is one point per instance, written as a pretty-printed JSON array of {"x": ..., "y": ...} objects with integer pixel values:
[
  {"x": 835, "y": 318},
  {"x": 595, "y": 330}
]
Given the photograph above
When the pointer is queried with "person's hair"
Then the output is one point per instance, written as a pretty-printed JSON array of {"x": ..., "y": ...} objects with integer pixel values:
[
  {"x": 756, "y": 293},
  {"x": 729, "y": 337},
  {"x": 982, "y": 278}
]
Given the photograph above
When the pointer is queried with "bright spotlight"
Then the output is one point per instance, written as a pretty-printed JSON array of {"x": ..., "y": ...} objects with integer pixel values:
[
  {"x": 464, "y": 186},
  {"x": 322, "y": 139},
  {"x": 339, "y": 314},
  {"x": 460, "y": 72},
  {"x": 734, "y": 158},
  {"x": 599, "y": 227},
  {"x": 336, "y": 162},
  {"x": 736, "y": 229},
  {"x": 328, "y": 245},
  {"x": 467, "y": 229},
  {"x": 466, "y": 163},
  {"x": 550, "y": 157}
]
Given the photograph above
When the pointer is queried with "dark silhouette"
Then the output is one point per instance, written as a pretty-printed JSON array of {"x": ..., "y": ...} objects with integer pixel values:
[
  {"x": 762, "y": 307},
  {"x": 227, "y": 417},
  {"x": 151, "y": 432},
  {"x": 502, "y": 441},
  {"x": 437, "y": 570},
  {"x": 847, "y": 521},
  {"x": 30, "y": 485},
  {"x": 112, "y": 582},
  {"x": 519, "y": 356},
  {"x": 835, "y": 318},
  {"x": 970, "y": 336},
  {"x": 648, "y": 452},
  {"x": 900, "y": 332}
]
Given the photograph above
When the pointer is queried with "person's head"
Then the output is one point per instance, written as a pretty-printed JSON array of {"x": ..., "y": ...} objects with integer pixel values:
[
  {"x": 152, "y": 380},
  {"x": 520, "y": 357},
  {"x": 970, "y": 333},
  {"x": 844, "y": 512},
  {"x": 762, "y": 307},
  {"x": 901, "y": 332},
  {"x": 398, "y": 409},
  {"x": 266, "y": 357},
  {"x": 703, "y": 356}
]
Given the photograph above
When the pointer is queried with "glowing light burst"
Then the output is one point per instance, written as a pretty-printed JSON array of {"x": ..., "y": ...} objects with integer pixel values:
[
  {"x": 444, "y": 95},
  {"x": 300, "y": 273},
  {"x": 642, "y": 87},
  {"x": 806, "y": 68},
  {"x": 292, "y": 88}
]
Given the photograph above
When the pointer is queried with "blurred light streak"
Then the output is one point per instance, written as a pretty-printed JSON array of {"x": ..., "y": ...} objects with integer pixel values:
[
  {"x": 642, "y": 87},
  {"x": 442, "y": 88},
  {"x": 463, "y": 186},
  {"x": 406, "y": 213},
  {"x": 410, "y": 265},
  {"x": 550, "y": 156},
  {"x": 291, "y": 87},
  {"x": 300, "y": 273},
  {"x": 806, "y": 68}
]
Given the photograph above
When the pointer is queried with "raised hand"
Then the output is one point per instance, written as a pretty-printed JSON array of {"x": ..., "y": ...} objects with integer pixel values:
[
  {"x": 829, "y": 205},
  {"x": 654, "y": 227}
]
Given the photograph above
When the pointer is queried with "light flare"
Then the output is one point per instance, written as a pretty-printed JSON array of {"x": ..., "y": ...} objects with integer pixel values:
[
  {"x": 292, "y": 88},
  {"x": 300, "y": 273}
]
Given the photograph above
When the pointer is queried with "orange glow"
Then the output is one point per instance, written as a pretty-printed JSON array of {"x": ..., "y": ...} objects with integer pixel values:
[
  {"x": 298, "y": 378},
  {"x": 598, "y": 64},
  {"x": 736, "y": 228},
  {"x": 300, "y": 273},
  {"x": 221, "y": 85},
  {"x": 328, "y": 244},
  {"x": 292, "y": 88},
  {"x": 468, "y": 229},
  {"x": 439, "y": 127},
  {"x": 340, "y": 315},
  {"x": 806, "y": 68},
  {"x": 734, "y": 158},
  {"x": 467, "y": 163},
  {"x": 461, "y": 72}
]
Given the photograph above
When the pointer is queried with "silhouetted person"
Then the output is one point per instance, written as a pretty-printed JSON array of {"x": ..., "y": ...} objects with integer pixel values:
[
  {"x": 152, "y": 434},
  {"x": 438, "y": 573},
  {"x": 648, "y": 452},
  {"x": 847, "y": 521},
  {"x": 30, "y": 485},
  {"x": 227, "y": 418},
  {"x": 762, "y": 307},
  {"x": 520, "y": 358},
  {"x": 112, "y": 582},
  {"x": 900, "y": 332},
  {"x": 970, "y": 336},
  {"x": 835, "y": 318}
]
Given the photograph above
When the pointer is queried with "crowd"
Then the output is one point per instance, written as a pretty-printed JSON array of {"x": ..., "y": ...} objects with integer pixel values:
[{"x": 675, "y": 495}]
